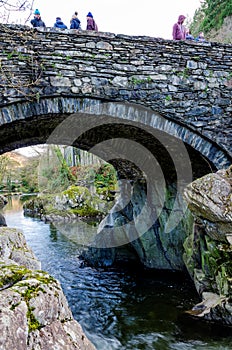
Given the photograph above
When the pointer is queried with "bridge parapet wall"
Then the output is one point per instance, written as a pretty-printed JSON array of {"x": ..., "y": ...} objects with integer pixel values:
[{"x": 187, "y": 82}]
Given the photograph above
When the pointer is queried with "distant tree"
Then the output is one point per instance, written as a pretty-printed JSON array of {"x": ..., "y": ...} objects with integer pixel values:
[
  {"x": 211, "y": 15},
  {"x": 4, "y": 160},
  {"x": 29, "y": 176},
  {"x": 54, "y": 175},
  {"x": 196, "y": 23}
]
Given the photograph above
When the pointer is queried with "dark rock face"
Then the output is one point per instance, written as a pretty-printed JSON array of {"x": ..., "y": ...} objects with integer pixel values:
[
  {"x": 145, "y": 228},
  {"x": 208, "y": 249},
  {"x": 2, "y": 220},
  {"x": 34, "y": 311}
]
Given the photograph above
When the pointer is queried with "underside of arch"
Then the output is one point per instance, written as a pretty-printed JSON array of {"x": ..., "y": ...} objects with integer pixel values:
[{"x": 86, "y": 123}]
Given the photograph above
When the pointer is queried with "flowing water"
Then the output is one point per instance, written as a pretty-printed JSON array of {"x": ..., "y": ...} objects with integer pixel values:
[{"x": 119, "y": 308}]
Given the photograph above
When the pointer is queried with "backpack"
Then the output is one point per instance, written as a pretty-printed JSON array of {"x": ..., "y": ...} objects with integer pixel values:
[{"x": 75, "y": 24}]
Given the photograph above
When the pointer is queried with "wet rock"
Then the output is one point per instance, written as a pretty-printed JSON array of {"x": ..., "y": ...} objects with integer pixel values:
[
  {"x": 13, "y": 246},
  {"x": 3, "y": 201},
  {"x": 34, "y": 311},
  {"x": 2, "y": 220},
  {"x": 208, "y": 251}
]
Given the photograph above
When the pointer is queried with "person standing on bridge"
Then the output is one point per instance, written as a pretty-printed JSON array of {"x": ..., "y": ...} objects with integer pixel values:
[
  {"x": 37, "y": 21},
  {"x": 91, "y": 24},
  {"x": 178, "y": 30},
  {"x": 75, "y": 23}
]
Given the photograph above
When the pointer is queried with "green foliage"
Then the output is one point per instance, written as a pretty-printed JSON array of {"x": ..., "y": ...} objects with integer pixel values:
[
  {"x": 106, "y": 181},
  {"x": 33, "y": 323},
  {"x": 168, "y": 98},
  {"x": 28, "y": 177},
  {"x": 211, "y": 15},
  {"x": 137, "y": 81},
  {"x": 54, "y": 173},
  {"x": 4, "y": 160}
]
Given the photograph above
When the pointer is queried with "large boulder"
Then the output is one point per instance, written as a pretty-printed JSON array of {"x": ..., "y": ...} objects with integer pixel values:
[
  {"x": 34, "y": 311},
  {"x": 208, "y": 250},
  {"x": 3, "y": 201},
  {"x": 76, "y": 201},
  {"x": 13, "y": 248}
]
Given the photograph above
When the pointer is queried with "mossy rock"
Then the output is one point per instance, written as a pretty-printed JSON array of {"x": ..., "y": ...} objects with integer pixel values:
[
  {"x": 11, "y": 274},
  {"x": 75, "y": 201}
]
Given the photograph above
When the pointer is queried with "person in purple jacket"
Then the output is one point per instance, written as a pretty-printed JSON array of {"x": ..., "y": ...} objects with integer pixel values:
[
  {"x": 178, "y": 31},
  {"x": 91, "y": 24}
]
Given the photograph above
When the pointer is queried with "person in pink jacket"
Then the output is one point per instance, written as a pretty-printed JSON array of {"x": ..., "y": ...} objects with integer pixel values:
[{"x": 178, "y": 31}]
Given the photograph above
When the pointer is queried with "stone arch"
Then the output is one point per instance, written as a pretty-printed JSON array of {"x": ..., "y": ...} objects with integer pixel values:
[
  {"x": 93, "y": 124},
  {"x": 28, "y": 123}
]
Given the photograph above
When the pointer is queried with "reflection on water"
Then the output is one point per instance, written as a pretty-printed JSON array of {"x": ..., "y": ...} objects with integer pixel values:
[{"x": 120, "y": 308}]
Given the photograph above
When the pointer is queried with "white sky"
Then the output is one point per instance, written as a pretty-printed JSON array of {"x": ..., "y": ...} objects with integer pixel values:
[{"x": 133, "y": 17}]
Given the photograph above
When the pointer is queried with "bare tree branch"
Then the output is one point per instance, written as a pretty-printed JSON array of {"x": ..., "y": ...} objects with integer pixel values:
[{"x": 9, "y": 9}]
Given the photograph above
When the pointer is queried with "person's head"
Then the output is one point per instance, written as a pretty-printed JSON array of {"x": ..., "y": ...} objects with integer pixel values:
[
  {"x": 74, "y": 15},
  {"x": 58, "y": 19},
  {"x": 89, "y": 15},
  {"x": 201, "y": 35},
  {"x": 37, "y": 13},
  {"x": 181, "y": 19}
]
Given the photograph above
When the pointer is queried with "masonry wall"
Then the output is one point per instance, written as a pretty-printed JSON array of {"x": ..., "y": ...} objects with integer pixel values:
[{"x": 190, "y": 83}]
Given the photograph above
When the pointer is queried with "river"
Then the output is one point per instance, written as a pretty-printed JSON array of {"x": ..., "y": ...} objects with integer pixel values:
[{"x": 119, "y": 308}]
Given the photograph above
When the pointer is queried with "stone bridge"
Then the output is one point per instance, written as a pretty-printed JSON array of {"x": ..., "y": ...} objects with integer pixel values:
[
  {"x": 160, "y": 111},
  {"x": 182, "y": 89}
]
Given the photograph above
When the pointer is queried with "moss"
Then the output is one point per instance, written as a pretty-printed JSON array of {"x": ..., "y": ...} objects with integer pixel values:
[
  {"x": 12, "y": 274},
  {"x": 87, "y": 211},
  {"x": 32, "y": 291},
  {"x": 13, "y": 306},
  {"x": 43, "y": 277},
  {"x": 73, "y": 191},
  {"x": 33, "y": 323},
  {"x": 106, "y": 192},
  {"x": 50, "y": 210}
]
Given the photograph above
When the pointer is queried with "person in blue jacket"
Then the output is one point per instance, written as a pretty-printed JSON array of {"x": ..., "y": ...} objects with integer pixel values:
[
  {"x": 189, "y": 35},
  {"x": 59, "y": 24},
  {"x": 75, "y": 23},
  {"x": 200, "y": 37},
  {"x": 37, "y": 21}
]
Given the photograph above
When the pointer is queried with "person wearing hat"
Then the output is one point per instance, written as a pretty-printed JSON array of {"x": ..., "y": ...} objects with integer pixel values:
[
  {"x": 37, "y": 21},
  {"x": 59, "y": 24},
  {"x": 91, "y": 24}
]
